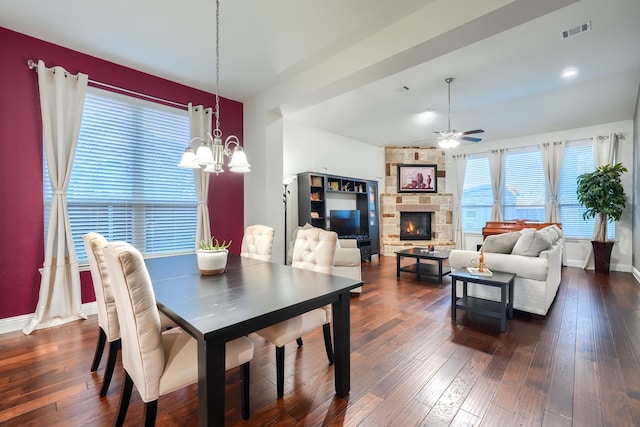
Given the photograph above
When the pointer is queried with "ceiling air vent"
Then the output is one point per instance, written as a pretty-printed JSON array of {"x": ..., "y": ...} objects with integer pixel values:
[{"x": 576, "y": 30}]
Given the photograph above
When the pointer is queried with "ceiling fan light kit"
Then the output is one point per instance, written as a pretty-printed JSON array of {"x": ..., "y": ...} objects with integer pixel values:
[{"x": 450, "y": 138}]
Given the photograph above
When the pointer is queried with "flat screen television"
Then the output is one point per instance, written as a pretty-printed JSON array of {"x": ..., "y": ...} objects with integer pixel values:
[{"x": 345, "y": 222}]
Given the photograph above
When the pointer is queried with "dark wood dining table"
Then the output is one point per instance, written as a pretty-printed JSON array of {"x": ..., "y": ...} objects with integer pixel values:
[{"x": 249, "y": 296}]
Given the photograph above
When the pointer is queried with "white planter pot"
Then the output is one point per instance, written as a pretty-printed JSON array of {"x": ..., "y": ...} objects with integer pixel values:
[{"x": 212, "y": 262}]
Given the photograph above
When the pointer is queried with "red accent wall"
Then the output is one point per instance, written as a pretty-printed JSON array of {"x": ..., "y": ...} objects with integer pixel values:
[{"x": 21, "y": 187}]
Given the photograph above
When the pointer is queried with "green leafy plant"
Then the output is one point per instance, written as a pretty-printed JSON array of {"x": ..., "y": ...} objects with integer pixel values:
[
  {"x": 213, "y": 244},
  {"x": 602, "y": 194}
]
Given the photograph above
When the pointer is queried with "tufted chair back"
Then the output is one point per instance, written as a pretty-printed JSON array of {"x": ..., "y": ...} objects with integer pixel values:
[
  {"x": 143, "y": 355},
  {"x": 94, "y": 244},
  {"x": 315, "y": 249},
  {"x": 257, "y": 242}
]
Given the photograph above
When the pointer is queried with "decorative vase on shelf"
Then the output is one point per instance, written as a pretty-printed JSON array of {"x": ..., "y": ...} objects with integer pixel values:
[{"x": 212, "y": 262}]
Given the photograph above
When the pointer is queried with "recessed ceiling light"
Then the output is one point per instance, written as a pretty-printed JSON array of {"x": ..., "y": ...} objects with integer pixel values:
[{"x": 569, "y": 73}]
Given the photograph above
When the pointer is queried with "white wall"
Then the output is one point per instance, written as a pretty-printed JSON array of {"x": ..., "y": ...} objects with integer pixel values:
[
  {"x": 577, "y": 250},
  {"x": 308, "y": 149}
]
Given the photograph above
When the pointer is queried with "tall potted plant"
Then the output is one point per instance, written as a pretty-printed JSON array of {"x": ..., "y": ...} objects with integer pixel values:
[{"x": 602, "y": 195}]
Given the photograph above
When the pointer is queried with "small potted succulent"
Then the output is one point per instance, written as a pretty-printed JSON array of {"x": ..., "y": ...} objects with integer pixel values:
[{"x": 212, "y": 256}]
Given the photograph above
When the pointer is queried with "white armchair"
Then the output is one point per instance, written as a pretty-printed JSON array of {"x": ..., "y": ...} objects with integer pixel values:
[{"x": 347, "y": 261}]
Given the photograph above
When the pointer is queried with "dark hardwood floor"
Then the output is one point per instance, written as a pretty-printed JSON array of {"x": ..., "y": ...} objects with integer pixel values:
[{"x": 410, "y": 365}]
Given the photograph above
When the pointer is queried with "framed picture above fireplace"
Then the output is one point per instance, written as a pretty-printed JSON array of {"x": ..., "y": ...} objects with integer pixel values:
[{"x": 416, "y": 178}]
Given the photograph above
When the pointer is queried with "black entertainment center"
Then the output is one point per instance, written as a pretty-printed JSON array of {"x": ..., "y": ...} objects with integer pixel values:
[{"x": 316, "y": 190}]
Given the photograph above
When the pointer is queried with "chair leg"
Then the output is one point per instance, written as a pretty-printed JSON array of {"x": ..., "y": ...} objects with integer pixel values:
[
  {"x": 244, "y": 396},
  {"x": 114, "y": 347},
  {"x": 299, "y": 341},
  {"x": 150, "y": 411},
  {"x": 280, "y": 371},
  {"x": 326, "y": 329},
  {"x": 127, "y": 387},
  {"x": 102, "y": 339}
]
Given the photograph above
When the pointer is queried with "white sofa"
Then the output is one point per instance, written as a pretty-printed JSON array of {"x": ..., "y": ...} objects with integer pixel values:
[{"x": 537, "y": 276}]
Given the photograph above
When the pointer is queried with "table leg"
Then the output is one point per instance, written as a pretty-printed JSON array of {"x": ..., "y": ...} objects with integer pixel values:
[
  {"x": 503, "y": 311},
  {"x": 511, "y": 299},
  {"x": 418, "y": 268},
  {"x": 397, "y": 265},
  {"x": 341, "y": 340},
  {"x": 453, "y": 298},
  {"x": 440, "y": 272},
  {"x": 211, "y": 381}
]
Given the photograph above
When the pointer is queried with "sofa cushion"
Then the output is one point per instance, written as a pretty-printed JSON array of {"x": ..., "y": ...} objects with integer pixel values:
[
  {"x": 553, "y": 231},
  {"x": 532, "y": 242},
  {"x": 501, "y": 243}
]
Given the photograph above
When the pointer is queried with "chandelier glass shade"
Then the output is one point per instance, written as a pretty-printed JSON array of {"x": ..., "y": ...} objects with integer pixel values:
[{"x": 211, "y": 151}]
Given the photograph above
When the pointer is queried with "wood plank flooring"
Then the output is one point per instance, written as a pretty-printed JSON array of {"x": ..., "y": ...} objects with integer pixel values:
[{"x": 410, "y": 365}]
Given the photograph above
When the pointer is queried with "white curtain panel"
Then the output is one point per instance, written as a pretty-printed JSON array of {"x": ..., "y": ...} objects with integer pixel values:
[
  {"x": 552, "y": 155},
  {"x": 461, "y": 166},
  {"x": 496, "y": 165},
  {"x": 61, "y": 103},
  {"x": 200, "y": 121},
  {"x": 605, "y": 151}
]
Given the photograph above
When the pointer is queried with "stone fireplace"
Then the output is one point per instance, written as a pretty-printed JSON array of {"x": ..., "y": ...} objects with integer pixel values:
[{"x": 395, "y": 206}]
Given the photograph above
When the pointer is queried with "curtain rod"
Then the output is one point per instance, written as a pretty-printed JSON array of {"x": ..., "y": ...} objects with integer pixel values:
[{"x": 33, "y": 65}]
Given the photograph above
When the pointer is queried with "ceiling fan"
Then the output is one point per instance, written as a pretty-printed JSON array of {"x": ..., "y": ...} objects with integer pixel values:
[{"x": 450, "y": 138}]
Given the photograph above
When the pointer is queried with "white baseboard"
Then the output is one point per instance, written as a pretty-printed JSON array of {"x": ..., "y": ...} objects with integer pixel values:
[{"x": 18, "y": 323}]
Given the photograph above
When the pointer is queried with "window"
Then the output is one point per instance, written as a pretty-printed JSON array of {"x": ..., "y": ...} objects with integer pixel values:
[
  {"x": 125, "y": 183},
  {"x": 524, "y": 186},
  {"x": 578, "y": 159},
  {"x": 477, "y": 195}
]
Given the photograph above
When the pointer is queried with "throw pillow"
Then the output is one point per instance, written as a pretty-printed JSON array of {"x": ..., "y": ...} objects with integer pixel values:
[
  {"x": 501, "y": 243},
  {"x": 531, "y": 243},
  {"x": 552, "y": 231}
]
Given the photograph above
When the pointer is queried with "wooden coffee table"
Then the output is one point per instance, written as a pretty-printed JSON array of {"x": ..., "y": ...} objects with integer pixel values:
[
  {"x": 502, "y": 309},
  {"x": 424, "y": 269}
]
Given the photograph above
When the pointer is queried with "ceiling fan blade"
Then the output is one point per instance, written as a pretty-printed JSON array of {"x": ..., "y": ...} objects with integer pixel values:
[
  {"x": 468, "y": 138},
  {"x": 469, "y": 132}
]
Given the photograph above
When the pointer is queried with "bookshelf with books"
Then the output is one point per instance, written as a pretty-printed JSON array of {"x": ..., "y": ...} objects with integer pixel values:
[
  {"x": 318, "y": 194},
  {"x": 311, "y": 199}
]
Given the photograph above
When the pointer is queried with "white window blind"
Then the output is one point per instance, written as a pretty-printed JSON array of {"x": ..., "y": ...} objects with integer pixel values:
[
  {"x": 477, "y": 196},
  {"x": 578, "y": 159},
  {"x": 524, "y": 186},
  {"x": 125, "y": 183}
]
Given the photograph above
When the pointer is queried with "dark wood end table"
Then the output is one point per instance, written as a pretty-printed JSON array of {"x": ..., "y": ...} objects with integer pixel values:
[
  {"x": 422, "y": 254},
  {"x": 502, "y": 309}
]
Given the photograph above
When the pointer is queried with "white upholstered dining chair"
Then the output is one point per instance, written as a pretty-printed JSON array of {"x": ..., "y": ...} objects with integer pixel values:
[
  {"x": 314, "y": 249},
  {"x": 109, "y": 328},
  {"x": 257, "y": 242},
  {"x": 157, "y": 362}
]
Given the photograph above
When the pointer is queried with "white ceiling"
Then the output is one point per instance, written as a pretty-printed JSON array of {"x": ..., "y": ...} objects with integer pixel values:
[{"x": 337, "y": 65}]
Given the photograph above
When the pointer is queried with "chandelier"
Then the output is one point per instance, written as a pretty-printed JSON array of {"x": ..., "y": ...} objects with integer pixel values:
[{"x": 210, "y": 153}]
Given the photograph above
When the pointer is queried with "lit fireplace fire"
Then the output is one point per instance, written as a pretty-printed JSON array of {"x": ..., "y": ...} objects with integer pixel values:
[{"x": 415, "y": 225}]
